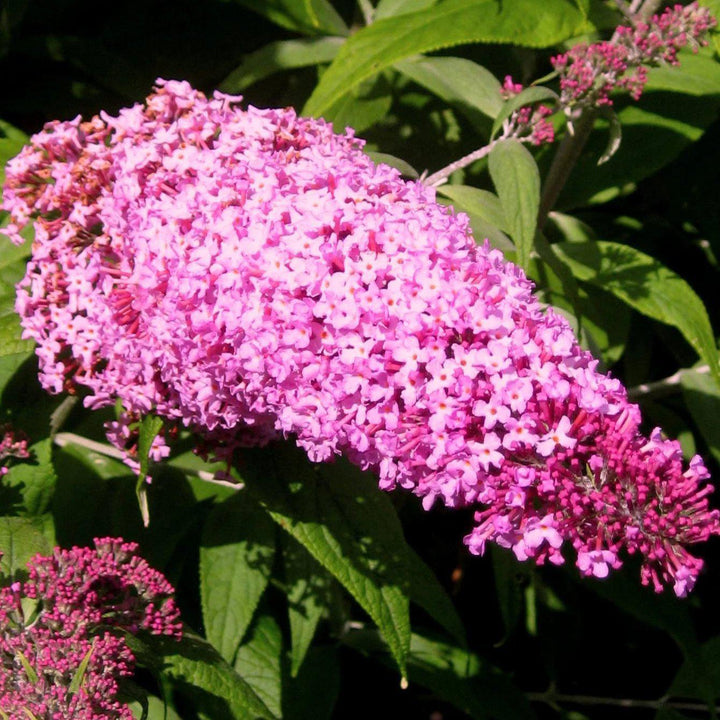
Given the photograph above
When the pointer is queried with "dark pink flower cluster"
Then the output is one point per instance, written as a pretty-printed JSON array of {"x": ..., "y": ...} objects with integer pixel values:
[
  {"x": 528, "y": 123},
  {"x": 590, "y": 73},
  {"x": 13, "y": 444},
  {"x": 251, "y": 274},
  {"x": 62, "y": 651}
]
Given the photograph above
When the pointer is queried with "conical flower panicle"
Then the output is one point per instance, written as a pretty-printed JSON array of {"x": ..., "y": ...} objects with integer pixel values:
[{"x": 249, "y": 274}]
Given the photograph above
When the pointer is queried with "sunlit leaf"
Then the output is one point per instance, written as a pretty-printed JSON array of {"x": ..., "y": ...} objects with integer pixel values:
[{"x": 453, "y": 22}]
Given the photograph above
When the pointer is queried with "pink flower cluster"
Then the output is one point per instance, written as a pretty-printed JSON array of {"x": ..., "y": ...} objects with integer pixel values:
[
  {"x": 590, "y": 73},
  {"x": 64, "y": 658},
  {"x": 529, "y": 123},
  {"x": 250, "y": 274},
  {"x": 13, "y": 444}
]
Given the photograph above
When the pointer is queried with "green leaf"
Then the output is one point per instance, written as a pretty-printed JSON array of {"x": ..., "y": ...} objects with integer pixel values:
[
  {"x": 32, "y": 676},
  {"x": 11, "y": 142},
  {"x": 13, "y": 349},
  {"x": 312, "y": 695},
  {"x": 699, "y": 675},
  {"x": 655, "y": 132},
  {"x": 156, "y": 710},
  {"x": 20, "y": 540},
  {"x": 35, "y": 478},
  {"x": 697, "y": 74},
  {"x": 427, "y": 592},
  {"x": 236, "y": 557},
  {"x": 279, "y": 56},
  {"x": 528, "y": 96},
  {"x": 338, "y": 514},
  {"x": 647, "y": 286},
  {"x": 474, "y": 201},
  {"x": 310, "y": 17},
  {"x": 485, "y": 211},
  {"x": 150, "y": 426},
  {"x": 702, "y": 396},
  {"x": 393, "y": 8},
  {"x": 462, "y": 83},
  {"x": 453, "y": 22},
  {"x": 363, "y": 106},
  {"x": 405, "y": 168},
  {"x": 517, "y": 181},
  {"x": 196, "y": 669},
  {"x": 258, "y": 661},
  {"x": 79, "y": 675},
  {"x": 614, "y": 137},
  {"x": 308, "y": 584}
]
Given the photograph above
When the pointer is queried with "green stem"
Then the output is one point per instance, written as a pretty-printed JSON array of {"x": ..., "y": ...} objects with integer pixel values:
[
  {"x": 439, "y": 177},
  {"x": 666, "y": 386},
  {"x": 567, "y": 155},
  {"x": 551, "y": 698}
]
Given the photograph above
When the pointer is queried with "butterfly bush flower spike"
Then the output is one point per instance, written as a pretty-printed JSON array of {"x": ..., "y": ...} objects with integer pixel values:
[
  {"x": 67, "y": 658},
  {"x": 250, "y": 274}
]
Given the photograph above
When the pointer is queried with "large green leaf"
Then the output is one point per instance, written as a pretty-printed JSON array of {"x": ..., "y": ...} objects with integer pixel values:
[
  {"x": 647, "y": 286},
  {"x": 236, "y": 557},
  {"x": 195, "y": 668},
  {"x": 453, "y": 22},
  {"x": 343, "y": 520},
  {"x": 517, "y": 181},
  {"x": 278, "y": 56},
  {"x": 363, "y": 106},
  {"x": 258, "y": 661},
  {"x": 462, "y": 83},
  {"x": 310, "y": 17},
  {"x": 307, "y": 584},
  {"x": 34, "y": 478},
  {"x": 697, "y": 74},
  {"x": 20, "y": 540},
  {"x": 312, "y": 694}
]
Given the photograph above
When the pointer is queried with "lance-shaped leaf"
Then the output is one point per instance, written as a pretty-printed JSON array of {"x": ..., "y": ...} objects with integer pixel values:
[
  {"x": 236, "y": 557},
  {"x": 310, "y": 17},
  {"x": 278, "y": 56},
  {"x": 258, "y": 661},
  {"x": 148, "y": 430},
  {"x": 647, "y": 286},
  {"x": 517, "y": 181},
  {"x": 337, "y": 513},
  {"x": 452, "y": 22},
  {"x": 308, "y": 585},
  {"x": 485, "y": 211},
  {"x": 196, "y": 669},
  {"x": 468, "y": 86}
]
